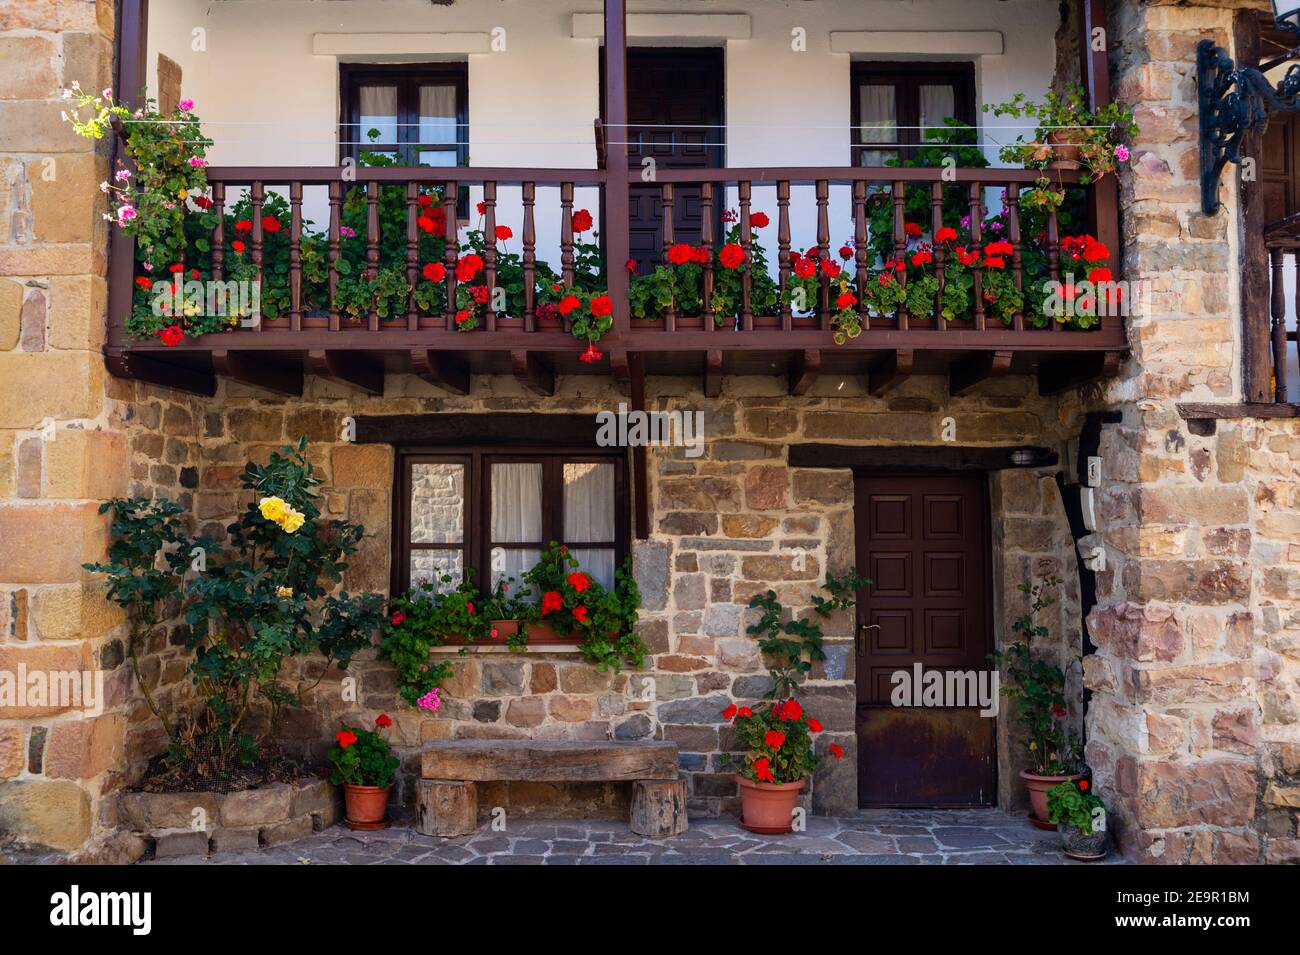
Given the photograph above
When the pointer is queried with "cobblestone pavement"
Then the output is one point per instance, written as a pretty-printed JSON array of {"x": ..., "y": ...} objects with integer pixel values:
[{"x": 877, "y": 837}]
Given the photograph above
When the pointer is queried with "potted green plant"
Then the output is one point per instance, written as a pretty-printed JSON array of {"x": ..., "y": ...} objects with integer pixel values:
[
  {"x": 1038, "y": 689},
  {"x": 1080, "y": 817},
  {"x": 363, "y": 764},
  {"x": 778, "y": 742}
]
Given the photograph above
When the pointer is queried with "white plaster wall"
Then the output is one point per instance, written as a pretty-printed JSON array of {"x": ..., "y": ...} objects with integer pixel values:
[{"x": 269, "y": 100}]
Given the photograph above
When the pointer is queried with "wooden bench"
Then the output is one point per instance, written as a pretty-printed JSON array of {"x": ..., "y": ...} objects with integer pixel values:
[{"x": 448, "y": 802}]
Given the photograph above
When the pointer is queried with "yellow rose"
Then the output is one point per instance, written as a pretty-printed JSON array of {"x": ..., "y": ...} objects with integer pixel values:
[
  {"x": 291, "y": 521},
  {"x": 284, "y": 591},
  {"x": 273, "y": 508}
]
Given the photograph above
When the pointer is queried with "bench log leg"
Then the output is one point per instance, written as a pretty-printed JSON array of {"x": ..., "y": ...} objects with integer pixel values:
[
  {"x": 659, "y": 808},
  {"x": 447, "y": 807}
]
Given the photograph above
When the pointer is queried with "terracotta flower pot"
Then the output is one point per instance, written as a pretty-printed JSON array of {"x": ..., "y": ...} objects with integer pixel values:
[
  {"x": 1065, "y": 148},
  {"x": 1076, "y": 845},
  {"x": 768, "y": 807},
  {"x": 366, "y": 806},
  {"x": 1038, "y": 786}
]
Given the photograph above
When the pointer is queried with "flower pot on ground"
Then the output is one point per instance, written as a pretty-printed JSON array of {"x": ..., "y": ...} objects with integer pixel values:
[
  {"x": 1038, "y": 787},
  {"x": 363, "y": 764},
  {"x": 779, "y": 757},
  {"x": 1081, "y": 818}
]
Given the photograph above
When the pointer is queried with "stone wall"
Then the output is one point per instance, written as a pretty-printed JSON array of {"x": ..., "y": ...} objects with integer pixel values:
[
  {"x": 1193, "y": 727},
  {"x": 725, "y": 527}
]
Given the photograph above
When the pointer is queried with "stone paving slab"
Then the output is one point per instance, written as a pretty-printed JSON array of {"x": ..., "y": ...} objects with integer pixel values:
[{"x": 873, "y": 837}]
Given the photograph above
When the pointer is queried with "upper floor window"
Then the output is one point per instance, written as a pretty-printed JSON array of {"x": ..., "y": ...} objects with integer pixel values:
[
  {"x": 897, "y": 106},
  {"x": 416, "y": 115}
]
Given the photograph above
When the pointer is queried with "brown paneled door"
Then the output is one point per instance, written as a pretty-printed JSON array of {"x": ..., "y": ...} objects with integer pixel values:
[
  {"x": 923, "y": 540},
  {"x": 675, "y": 112}
]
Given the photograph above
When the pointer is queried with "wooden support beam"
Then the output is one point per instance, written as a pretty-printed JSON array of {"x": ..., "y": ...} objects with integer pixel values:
[
  {"x": 253, "y": 368},
  {"x": 1069, "y": 371},
  {"x": 640, "y": 478},
  {"x": 981, "y": 366},
  {"x": 805, "y": 366},
  {"x": 350, "y": 368},
  {"x": 441, "y": 369},
  {"x": 141, "y": 367},
  {"x": 534, "y": 372},
  {"x": 890, "y": 372},
  {"x": 713, "y": 373}
]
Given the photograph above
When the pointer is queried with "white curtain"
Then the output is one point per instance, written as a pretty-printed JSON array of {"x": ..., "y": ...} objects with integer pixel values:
[
  {"x": 516, "y": 517},
  {"x": 378, "y": 110},
  {"x": 589, "y": 516},
  {"x": 937, "y": 104},
  {"x": 437, "y": 114},
  {"x": 877, "y": 114}
]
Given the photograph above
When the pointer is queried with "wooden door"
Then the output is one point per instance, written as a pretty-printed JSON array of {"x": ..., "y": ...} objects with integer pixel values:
[
  {"x": 923, "y": 540},
  {"x": 675, "y": 112}
]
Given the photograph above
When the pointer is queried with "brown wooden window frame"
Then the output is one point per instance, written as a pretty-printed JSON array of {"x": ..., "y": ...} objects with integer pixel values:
[
  {"x": 407, "y": 77},
  {"x": 476, "y": 543},
  {"x": 907, "y": 80}
]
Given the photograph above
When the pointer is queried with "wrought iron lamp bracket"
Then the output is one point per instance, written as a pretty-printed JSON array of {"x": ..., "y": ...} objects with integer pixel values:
[{"x": 1232, "y": 103}]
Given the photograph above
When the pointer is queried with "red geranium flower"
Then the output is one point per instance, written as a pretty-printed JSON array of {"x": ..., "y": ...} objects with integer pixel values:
[
  {"x": 1083, "y": 785},
  {"x": 836, "y": 750},
  {"x": 581, "y": 221},
  {"x": 171, "y": 335},
  {"x": 177, "y": 267},
  {"x": 424, "y": 200},
  {"x": 774, "y": 738},
  {"x": 580, "y": 614},
  {"x": 463, "y": 316},
  {"x": 435, "y": 272},
  {"x": 568, "y": 304},
  {"x": 922, "y": 258},
  {"x": 912, "y": 229},
  {"x": 203, "y": 202},
  {"x": 744, "y": 711},
  {"x": 470, "y": 607},
  {"x": 601, "y": 305},
  {"x": 759, "y": 220},
  {"x": 579, "y": 581},
  {"x": 425, "y": 223},
  {"x": 481, "y": 207},
  {"x": 830, "y": 268},
  {"x": 946, "y": 234},
  {"x": 732, "y": 255},
  {"x": 792, "y": 710},
  {"x": 383, "y": 720},
  {"x": 270, "y": 224},
  {"x": 244, "y": 225},
  {"x": 592, "y": 354},
  {"x": 805, "y": 268},
  {"x": 345, "y": 739},
  {"x": 503, "y": 232},
  {"x": 846, "y": 300},
  {"x": 479, "y": 293},
  {"x": 763, "y": 771},
  {"x": 995, "y": 263},
  {"x": 630, "y": 265},
  {"x": 1099, "y": 275},
  {"x": 729, "y": 713},
  {"x": 551, "y": 601},
  {"x": 680, "y": 253},
  {"x": 814, "y": 724},
  {"x": 846, "y": 252},
  {"x": 397, "y": 619},
  {"x": 238, "y": 247},
  {"x": 144, "y": 282},
  {"x": 194, "y": 274}
]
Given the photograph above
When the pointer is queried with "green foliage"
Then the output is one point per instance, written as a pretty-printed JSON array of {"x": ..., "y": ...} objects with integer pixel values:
[
  {"x": 269, "y": 595},
  {"x": 1038, "y": 687},
  {"x": 1070, "y": 806},
  {"x": 793, "y": 644},
  {"x": 362, "y": 758},
  {"x": 1064, "y": 118},
  {"x": 777, "y": 741}
]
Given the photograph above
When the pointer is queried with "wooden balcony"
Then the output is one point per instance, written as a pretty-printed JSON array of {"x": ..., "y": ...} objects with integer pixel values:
[{"x": 360, "y": 349}]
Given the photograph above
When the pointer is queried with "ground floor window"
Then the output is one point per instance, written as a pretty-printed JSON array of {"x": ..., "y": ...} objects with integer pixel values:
[{"x": 493, "y": 511}]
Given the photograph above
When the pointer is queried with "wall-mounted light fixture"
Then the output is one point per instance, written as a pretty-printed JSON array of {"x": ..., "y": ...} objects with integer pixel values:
[{"x": 1235, "y": 101}]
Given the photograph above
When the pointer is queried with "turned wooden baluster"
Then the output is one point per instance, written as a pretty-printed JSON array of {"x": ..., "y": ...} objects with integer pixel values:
[
  {"x": 744, "y": 191},
  {"x": 412, "y": 252},
  {"x": 256, "y": 195},
  {"x": 530, "y": 257},
  {"x": 824, "y": 251},
  {"x": 1277, "y": 309},
  {"x": 899, "y": 195},
  {"x": 450, "y": 252},
  {"x": 219, "y": 231},
  {"x": 490, "y": 251},
  {"x": 667, "y": 198},
  {"x": 861, "y": 255},
  {"x": 372, "y": 245},
  {"x": 783, "y": 250},
  {"x": 706, "y": 239},
  {"x": 1054, "y": 256},
  {"x": 566, "y": 242},
  {"x": 295, "y": 256},
  {"x": 977, "y": 248},
  {"x": 336, "y": 208},
  {"x": 936, "y": 223},
  {"x": 1013, "y": 236}
]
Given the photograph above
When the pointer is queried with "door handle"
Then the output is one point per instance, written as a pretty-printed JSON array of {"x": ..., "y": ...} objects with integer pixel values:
[{"x": 857, "y": 639}]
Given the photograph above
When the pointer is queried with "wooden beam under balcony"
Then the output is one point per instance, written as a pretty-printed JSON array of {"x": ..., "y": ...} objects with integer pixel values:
[
  {"x": 442, "y": 369},
  {"x": 350, "y": 368},
  {"x": 1069, "y": 371},
  {"x": 254, "y": 369},
  {"x": 145, "y": 367},
  {"x": 981, "y": 366},
  {"x": 713, "y": 373},
  {"x": 534, "y": 371},
  {"x": 891, "y": 372},
  {"x": 805, "y": 366}
]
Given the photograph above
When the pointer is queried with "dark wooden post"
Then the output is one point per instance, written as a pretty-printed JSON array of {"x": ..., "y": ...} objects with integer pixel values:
[
  {"x": 618, "y": 246},
  {"x": 1256, "y": 357},
  {"x": 134, "y": 29}
]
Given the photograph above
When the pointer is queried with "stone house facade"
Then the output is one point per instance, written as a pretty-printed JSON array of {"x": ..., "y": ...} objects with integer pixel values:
[{"x": 1182, "y": 655}]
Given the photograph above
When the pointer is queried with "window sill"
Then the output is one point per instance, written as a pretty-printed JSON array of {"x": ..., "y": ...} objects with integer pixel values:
[{"x": 502, "y": 648}]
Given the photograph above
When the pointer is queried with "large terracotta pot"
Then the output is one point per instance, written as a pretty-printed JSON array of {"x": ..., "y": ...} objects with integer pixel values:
[
  {"x": 366, "y": 806},
  {"x": 1038, "y": 786},
  {"x": 768, "y": 807}
]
